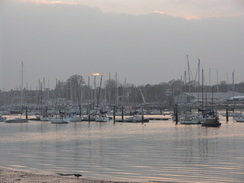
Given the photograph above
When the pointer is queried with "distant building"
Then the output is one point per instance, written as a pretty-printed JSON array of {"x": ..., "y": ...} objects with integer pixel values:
[{"x": 209, "y": 97}]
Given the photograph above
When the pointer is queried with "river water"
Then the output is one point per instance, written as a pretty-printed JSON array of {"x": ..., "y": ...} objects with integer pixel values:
[{"x": 154, "y": 151}]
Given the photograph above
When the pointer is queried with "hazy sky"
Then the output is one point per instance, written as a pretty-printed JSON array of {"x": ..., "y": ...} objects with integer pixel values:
[{"x": 144, "y": 41}]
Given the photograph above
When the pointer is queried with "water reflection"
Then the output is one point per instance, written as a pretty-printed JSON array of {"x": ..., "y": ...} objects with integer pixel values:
[{"x": 156, "y": 151}]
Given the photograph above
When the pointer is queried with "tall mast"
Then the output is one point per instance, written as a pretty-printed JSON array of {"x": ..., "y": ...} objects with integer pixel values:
[
  {"x": 217, "y": 78},
  {"x": 99, "y": 91},
  {"x": 233, "y": 86},
  {"x": 227, "y": 77},
  {"x": 199, "y": 70},
  {"x": 209, "y": 75},
  {"x": 202, "y": 90},
  {"x": 117, "y": 97},
  {"x": 89, "y": 90},
  {"x": 22, "y": 81},
  {"x": 189, "y": 75}
]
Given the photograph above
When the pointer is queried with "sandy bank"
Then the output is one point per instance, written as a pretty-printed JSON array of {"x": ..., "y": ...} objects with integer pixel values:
[{"x": 8, "y": 176}]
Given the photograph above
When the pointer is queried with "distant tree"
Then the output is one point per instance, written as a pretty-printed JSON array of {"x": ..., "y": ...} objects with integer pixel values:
[
  {"x": 76, "y": 79},
  {"x": 224, "y": 86},
  {"x": 239, "y": 87},
  {"x": 74, "y": 84}
]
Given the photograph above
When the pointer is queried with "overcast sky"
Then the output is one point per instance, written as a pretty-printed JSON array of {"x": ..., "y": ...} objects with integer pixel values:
[{"x": 144, "y": 41}]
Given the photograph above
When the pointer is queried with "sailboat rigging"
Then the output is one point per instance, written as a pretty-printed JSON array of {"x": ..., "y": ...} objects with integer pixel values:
[{"x": 19, "y": 119}]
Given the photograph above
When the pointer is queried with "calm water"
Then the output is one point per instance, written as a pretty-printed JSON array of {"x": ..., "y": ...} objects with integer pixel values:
[{"x": 154, "y": 151}]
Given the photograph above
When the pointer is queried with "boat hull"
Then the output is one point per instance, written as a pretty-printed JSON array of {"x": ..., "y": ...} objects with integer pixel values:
[
  {"x": 211, "y": 122},
  {"x": 189, "y": 122},
  {"x": 17, "y": 120},
  {"x": 59, "y": 121},
  {"x": 75, "y": 119},
  {"x": 240, "y": 119},
  {"x": 102, "y": 119},
  {"x": 43, "y": 118},
  {"x": 216, "y": 124}
]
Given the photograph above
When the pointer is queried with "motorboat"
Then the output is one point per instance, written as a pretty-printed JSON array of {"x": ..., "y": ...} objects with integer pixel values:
[{"x": 136, "y": 119}]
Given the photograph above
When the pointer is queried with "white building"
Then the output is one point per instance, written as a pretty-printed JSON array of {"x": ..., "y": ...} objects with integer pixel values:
[{"x": 208, "y": 97}]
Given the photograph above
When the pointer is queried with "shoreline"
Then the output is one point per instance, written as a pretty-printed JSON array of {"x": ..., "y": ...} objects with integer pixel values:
[
  {"x": 16, "y": 176},
  {"x": 12, "y": 176}
]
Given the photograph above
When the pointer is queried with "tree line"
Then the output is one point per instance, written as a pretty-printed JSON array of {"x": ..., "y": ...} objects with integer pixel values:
[{"x": 110, "y": 92}]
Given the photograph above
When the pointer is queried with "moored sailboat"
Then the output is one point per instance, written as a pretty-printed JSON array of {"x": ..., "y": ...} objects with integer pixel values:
[
  {"x": 19, "y": 119},
  {"x": 59, "y": 120},
  {"x": 190, "y": 119},
  {"x": 210, "y": 119},
  {"x": 240, "y": 118},
  {"x": 102, "y": 118}
]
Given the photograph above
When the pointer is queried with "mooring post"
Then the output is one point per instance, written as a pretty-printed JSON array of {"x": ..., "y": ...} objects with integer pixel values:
[
  {"x": 122, "y": 114},
  {"x": 26, "y": 112},
  {"x": 80, "y": 109},
  {"x": 142, "y": 116},
  {"x": 89, "y": 115},
  {"x": 227, "y": 113},
  {"x": 114, "y": 114},
  {"x": 46, "y": 111},
  {"x": 176, "y": 114}
]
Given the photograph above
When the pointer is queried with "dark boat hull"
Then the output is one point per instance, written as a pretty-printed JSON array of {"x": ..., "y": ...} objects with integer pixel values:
[{"x": 212, "y": 125}]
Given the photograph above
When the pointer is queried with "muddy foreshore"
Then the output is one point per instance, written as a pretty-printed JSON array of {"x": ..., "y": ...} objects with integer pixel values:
[{"x": 10, "y": 176}]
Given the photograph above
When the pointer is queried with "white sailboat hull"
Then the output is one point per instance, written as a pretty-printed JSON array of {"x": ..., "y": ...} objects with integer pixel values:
[
  {"x": 239, "y": 119},
  {"x": 102, "y": 119},
  {"x": 43, "y": 118},
  {"x": 75, "y": 119},
  {"x": 59, "y": 121}
]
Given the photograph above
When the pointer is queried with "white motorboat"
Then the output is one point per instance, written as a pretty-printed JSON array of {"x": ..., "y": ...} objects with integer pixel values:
[{"x": 136, "y": 119}]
